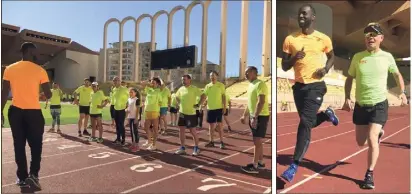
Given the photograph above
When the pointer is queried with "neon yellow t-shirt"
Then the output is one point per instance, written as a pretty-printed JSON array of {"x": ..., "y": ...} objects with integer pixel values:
[
  {"x": 227, "y": 100},
  {"x": 56, "y": 96},
  {"x": 84, "y": 95},
  {"x": 214, "y": 94},
  {"x": 187, "y": 96},
  {"x": 255, "y": 89},
  {"x": 165, "y": 94},
  {"x": 153, "y": 99},
  {"x": 120, "y": 96},
  {"x": 97, "y": 99}
]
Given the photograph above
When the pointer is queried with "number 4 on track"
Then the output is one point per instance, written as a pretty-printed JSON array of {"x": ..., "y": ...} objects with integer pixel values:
[{"x": 213, "y": 186}]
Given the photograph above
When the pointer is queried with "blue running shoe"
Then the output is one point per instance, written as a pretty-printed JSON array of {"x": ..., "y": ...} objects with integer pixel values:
[
  {"x": 332, "y": 116},
  {"x": 290, "y": 172}
]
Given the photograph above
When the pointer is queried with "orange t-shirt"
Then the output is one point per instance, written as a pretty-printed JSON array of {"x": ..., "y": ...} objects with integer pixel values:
[
  {"x": 315, "y": 45},
  {"x": 25, "y": 78}
]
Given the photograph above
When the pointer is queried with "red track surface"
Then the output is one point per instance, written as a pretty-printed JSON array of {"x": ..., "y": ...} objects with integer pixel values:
[
  {"x": 73, "y": 169},
  {"x": 320, "y": 172}
]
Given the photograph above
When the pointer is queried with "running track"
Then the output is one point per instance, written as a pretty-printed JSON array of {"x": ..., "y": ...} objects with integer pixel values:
[
  {"x": 72, "y": 165},
  {"x": 335, "y": 164}
]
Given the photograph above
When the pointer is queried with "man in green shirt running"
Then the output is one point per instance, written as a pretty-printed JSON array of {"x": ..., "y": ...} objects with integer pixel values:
[
  {"x": 370, "y": 69},
  {"x": 82, "y": 97},
  {"x": 258, "y": 111}
]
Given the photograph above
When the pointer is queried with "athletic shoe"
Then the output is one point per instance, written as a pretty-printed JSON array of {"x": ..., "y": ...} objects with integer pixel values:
[
  {"x": 332, "y": 116},
  {"x": 228, "y": 128},
  {"x": 21, "y": 183},
  {"x": 210, "y": 144},
  {"x": 368, "y": 182},
  {"x": 85, "y": 132},
  {"x": 80, "y": 133},
  {"x": 261, "y": 165},
  {"x": 146, "y": 143},
  {"x": 222, "y": 145},
  {"x": 250, "y": 168},
  {"x": 181, "y": 151},
  {"x": 151, "y": 147},
  {"x": 33, "y": 180},
  {"x": 116, "y": 142},
  {"x": 196, "y": 151},
  {"x": 380, "y": 136},
  {"x": 99, "y": 140},
  {"x": 290, "y": 172}
]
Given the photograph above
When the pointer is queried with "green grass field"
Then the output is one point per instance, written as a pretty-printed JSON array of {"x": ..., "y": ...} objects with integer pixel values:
[{"x": 70, "y": 114}]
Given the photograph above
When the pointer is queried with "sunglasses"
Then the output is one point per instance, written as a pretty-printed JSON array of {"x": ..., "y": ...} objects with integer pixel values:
[{"x": 371, "y": 34}]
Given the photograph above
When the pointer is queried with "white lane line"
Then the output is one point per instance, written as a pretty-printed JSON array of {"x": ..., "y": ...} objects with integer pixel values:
[
  {"x": 269, "y": 190},
  {"x": 186, "y": 171},
  {"x": 337, "y": 163},
  {"x": 328, "y": 137}
]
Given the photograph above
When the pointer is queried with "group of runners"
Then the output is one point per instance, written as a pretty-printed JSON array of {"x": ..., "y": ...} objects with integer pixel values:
[
  {"x": 303, "y": 51},
  {"x": 146, "y": 106}
]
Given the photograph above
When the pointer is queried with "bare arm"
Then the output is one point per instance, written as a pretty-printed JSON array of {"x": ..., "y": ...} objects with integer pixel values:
[
  {"x": 288, "y": 61},
  {"x": 246, "y": 112},
  {"x": 348, "y": 86},
  {"x": 46, "y": 89},
  {"x": 329, "y": 62},
  {"x": 399, "y": 81}
]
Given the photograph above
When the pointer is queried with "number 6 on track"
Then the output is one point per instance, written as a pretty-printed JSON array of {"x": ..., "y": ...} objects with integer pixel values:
[
  {"x": 146, "y": 167},
  {"x": 212, "y": 186}
]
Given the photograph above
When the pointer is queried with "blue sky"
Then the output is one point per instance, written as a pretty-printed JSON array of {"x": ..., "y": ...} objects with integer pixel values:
[{"x": 83, "y": 22}]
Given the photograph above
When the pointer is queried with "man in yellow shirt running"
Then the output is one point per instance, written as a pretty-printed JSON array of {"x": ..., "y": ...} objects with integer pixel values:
[
  {"x": 258, "y": 111},
  {"x": 82, "y": 97},
  {"x": 304, "y": 51},
  {"x": 55, "y": 106}
]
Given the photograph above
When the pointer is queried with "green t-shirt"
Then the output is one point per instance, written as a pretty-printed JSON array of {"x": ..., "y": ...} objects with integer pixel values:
[
  {"x": 97, "y": 99},
  {"x": 173, "y": 102},
  {"x": 84, "y": 95},
  {"x": 255, "y": 89},
  {"x": 56, "y": 96},
  {"x": 165, "y": 94},
  {"x": 187, "y": 97},
  {"x": 214, "y": 94},
  {"x": 371, "y": 73},
  {"x": 120, "y": 96},
  {"x": 153, "y": 99}
]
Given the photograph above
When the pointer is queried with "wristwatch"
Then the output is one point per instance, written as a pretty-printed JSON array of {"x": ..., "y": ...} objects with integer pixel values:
[{"x": 403, "y": 92}]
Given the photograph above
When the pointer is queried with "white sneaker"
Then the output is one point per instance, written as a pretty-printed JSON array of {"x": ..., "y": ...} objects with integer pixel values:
[
  {"x": 146, "y": 143},
  {"x": 151, "y": 147}
]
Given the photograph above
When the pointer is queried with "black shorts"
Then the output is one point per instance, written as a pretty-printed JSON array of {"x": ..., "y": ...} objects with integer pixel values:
[
  {"x": 363, "y": 115},
  {"x": 96, "y": 115},
  {"x": 112, "y": 111},
  {"x": 84, "y": 110},
  {"x": 214, "y": 116},
  {"x": 262, "y": 125},
  {"x": 173, "y": 110},
  {"x": 188, "y": 121}
]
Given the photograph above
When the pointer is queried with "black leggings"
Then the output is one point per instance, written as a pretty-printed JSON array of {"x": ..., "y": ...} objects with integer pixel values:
[
  {"x": 134, "y": 131},
  {"x": 119, "y": 117},
  {"x": 308, "y": 99}
]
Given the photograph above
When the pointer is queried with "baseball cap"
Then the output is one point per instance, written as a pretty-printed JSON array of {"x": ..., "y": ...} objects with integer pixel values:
[
  {"x": 373, "y": 27},
  {"x": 95, "y": 83}
]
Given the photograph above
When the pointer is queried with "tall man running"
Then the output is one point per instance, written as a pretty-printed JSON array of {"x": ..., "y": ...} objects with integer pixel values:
[
  {"x": 258, "y": 112},
  {"x": 304, "y": 51},
  {"x": 186, "y": 98},
  {"x": 25, "y": 116},
  {"x": 216, "y": 107},
  {"x": 370, "y": 69},
  {"x": 82, "y": 97}
]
